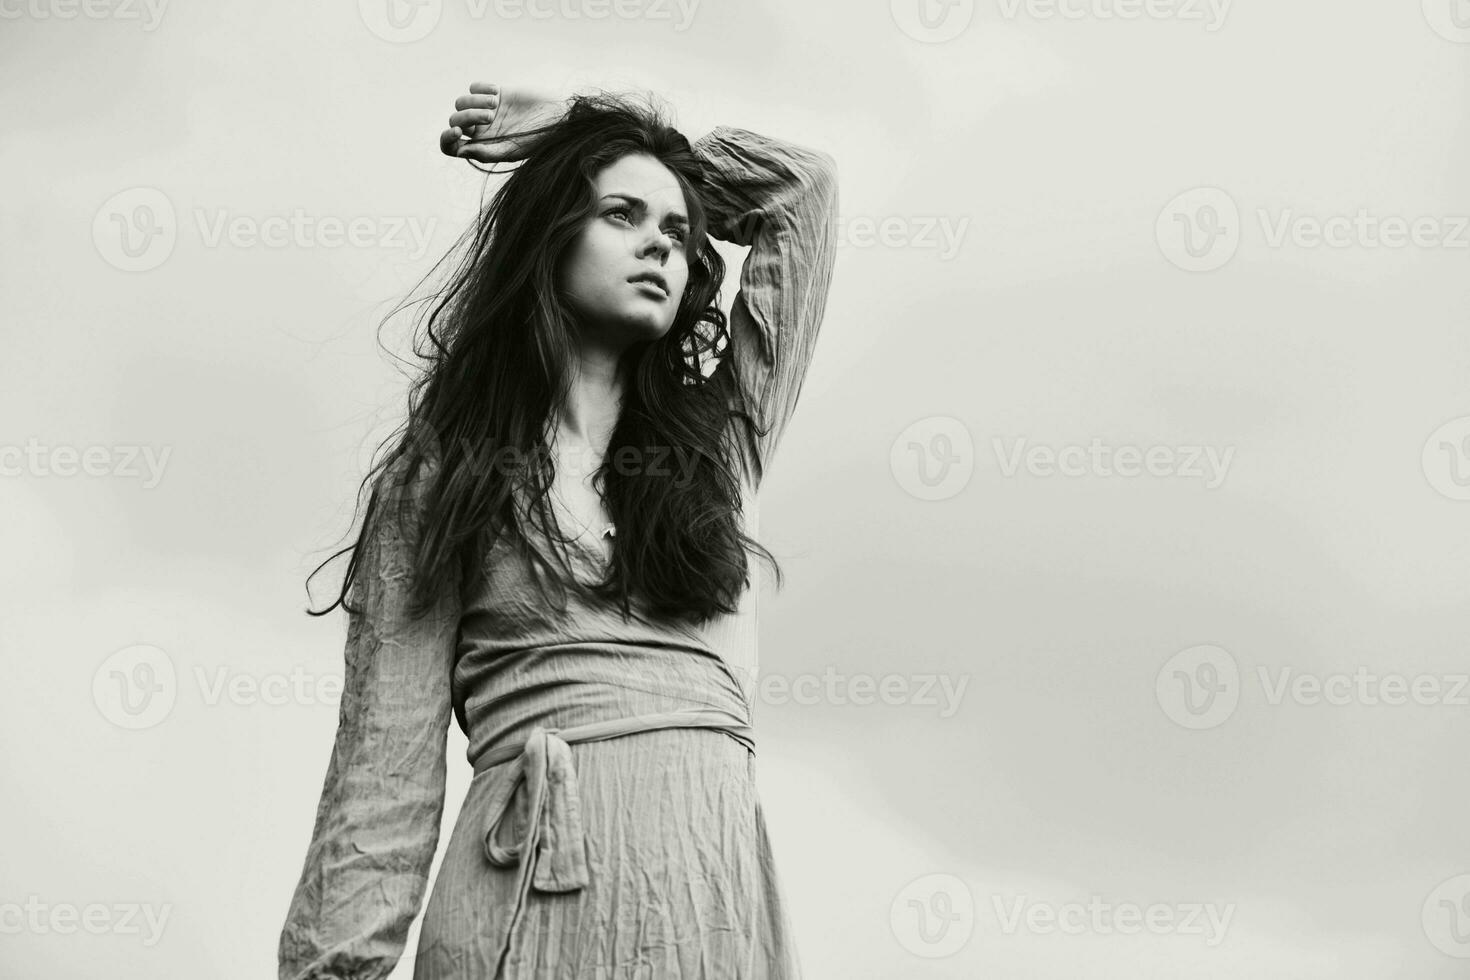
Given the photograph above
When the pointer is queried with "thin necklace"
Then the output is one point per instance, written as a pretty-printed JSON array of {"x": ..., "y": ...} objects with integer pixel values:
[{"x": 608, "y": 531}]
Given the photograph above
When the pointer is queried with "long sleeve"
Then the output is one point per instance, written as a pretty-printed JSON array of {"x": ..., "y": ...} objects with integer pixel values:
[
  {"x": 377, "y": 824},
  {"x": 779, "y": 200}
]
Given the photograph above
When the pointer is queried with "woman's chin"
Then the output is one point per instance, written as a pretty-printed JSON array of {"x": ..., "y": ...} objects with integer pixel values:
[{"x": 643, "y": 328}]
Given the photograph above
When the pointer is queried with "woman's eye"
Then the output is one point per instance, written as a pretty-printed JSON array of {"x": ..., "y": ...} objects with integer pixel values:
[{"x": 678, "y": 233}]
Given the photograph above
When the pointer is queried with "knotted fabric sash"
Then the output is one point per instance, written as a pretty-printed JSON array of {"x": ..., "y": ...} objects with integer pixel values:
[{"x": 552, "y": 857}]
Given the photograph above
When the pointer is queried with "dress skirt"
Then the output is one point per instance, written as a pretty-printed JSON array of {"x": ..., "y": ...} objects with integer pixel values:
[{"x": 680, "y": 878}]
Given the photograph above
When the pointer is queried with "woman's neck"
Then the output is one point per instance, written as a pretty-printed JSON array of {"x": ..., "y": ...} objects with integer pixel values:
[{"x": 593, "y": 405}]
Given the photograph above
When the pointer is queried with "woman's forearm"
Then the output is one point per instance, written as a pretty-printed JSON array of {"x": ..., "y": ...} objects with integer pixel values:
[{"x": 780, "y": 200}]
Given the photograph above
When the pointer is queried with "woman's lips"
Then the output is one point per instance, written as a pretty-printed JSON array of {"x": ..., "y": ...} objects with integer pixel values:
[{"x": 651, "y": 287}]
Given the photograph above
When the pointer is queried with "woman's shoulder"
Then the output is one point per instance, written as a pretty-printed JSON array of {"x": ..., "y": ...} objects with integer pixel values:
[
  {"x": 409, "y": 472},
  {"x": 401, "y": 489}
]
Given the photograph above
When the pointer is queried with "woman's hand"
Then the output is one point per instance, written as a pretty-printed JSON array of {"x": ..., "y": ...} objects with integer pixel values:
[{"x": 497, "y": 124}]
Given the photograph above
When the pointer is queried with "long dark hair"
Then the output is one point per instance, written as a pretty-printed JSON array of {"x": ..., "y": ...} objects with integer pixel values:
[{"x": 498, "y": 348}]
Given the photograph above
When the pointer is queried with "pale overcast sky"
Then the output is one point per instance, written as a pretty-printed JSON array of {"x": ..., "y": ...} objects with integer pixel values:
[{"x": 1130, "y": 486}]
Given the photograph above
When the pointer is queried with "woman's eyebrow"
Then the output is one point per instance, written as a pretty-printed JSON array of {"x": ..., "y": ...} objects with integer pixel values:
[{"x": 676, "y": 216}]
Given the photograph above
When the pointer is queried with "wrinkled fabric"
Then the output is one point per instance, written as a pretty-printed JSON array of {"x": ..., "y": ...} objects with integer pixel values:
[{"x": 657, "y": 861}]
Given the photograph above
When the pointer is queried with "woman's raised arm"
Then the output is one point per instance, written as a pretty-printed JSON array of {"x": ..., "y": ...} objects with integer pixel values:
[
  {"x": 777, "y": 198},
  {"x": 377, "y": 825},
  {"x": 780, "y": 200}
]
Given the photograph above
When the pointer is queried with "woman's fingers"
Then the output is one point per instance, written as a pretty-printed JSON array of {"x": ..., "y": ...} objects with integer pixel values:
[
  {"x": 466, "y": 118},
  {"x": 480, "y": 152},
  {"x": 472, "y": 119},
  {"x": 477, "y": 102},
  {"x": 452, "y": 145},
  {"x": 449, "y": 142}
]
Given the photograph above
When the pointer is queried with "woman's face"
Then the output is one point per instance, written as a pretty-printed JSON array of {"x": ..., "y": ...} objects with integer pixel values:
[{"x": 639, "y": 225}]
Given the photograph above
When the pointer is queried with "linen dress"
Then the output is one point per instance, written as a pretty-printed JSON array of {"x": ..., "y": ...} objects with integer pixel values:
[{"x": 582, "y": 849}]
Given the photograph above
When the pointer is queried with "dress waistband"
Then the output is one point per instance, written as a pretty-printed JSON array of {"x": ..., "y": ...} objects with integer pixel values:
[{"x": 552, "y": 857}]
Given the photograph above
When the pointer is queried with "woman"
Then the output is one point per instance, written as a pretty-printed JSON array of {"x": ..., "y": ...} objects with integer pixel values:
[{"x": 612, "y": 828}]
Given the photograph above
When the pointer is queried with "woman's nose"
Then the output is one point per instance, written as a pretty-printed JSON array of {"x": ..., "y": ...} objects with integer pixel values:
[{"x": 658, "y": 243}]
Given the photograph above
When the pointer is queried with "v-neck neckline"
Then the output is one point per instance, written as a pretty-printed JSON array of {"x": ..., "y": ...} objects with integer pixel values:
[{"x": 594, "y": 548}]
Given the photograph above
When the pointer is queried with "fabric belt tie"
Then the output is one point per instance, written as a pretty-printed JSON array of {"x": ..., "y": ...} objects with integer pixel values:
[
  {"x": 552, "y": 857},
  {"x": 554, "y": 846}
]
